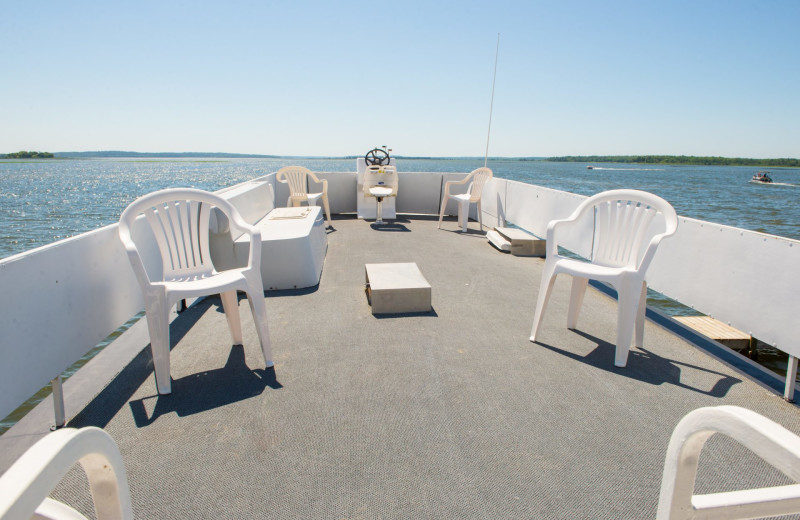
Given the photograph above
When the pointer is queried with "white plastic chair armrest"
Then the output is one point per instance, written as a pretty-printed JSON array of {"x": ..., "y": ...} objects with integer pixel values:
[
  {"x": 51, "y": 509},
  {"x": 36, "y": 473},
  {"x": 462, "y": 181},
  {"x": 770, "y": 441},
  {"x": 650, "y": 252},
  {"x": 551, "y": 243},
  {"x": 136, "y": 260},
  {"x": 237, "y": 223},
  {"x": 254, "y": 260},
  {"x": 453, "y": 183},
  {"x": 324, "y": 182},
  {"x": 672, "y": 227}
]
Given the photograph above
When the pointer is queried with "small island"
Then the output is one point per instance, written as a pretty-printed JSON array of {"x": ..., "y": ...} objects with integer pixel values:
[{"x": 29, "y": 155}]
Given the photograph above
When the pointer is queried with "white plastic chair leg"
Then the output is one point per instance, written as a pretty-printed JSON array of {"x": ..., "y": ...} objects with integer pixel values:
[
  {"x": 157, "y": 314},
  {"x": 255, "y": 296},
  {"x": 480, "y": 214},
  {"x": 545, "y": 288},
  {"x": 576, "y": 300},
  {"x": 638, "y": 339},
  {"x": 230, "y": 304},
  {"x": 629, "y": 294},
  {"x": 441, "y": 211},
  {"x": 463, "y": 215},
  {"x": 327, "y": 208}
]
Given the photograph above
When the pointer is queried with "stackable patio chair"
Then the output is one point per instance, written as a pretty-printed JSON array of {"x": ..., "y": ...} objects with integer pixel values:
[
  {"x": 623, "y": 224},
  {"x": 179, "y": 222},
  {"x": 297, "y": 179},
  {"x": 476, "y": 179}
]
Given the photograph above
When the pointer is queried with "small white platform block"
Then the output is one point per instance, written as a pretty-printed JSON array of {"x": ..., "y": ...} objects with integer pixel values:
[
  {"x": 498, "y": 241},
  {"x": 517, "y": 242},
  {"x": 397, "y": 288}
]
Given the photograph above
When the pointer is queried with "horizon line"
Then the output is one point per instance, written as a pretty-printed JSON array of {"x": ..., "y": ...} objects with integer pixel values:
[{"x": 119, "y": 153}]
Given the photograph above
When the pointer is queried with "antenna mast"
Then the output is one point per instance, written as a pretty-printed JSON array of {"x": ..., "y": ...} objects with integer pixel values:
[{"x": 491, "y": 105}]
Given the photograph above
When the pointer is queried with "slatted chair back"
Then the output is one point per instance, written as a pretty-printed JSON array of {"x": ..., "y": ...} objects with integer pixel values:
[
  {"x": 179, "y": 221},
  {"x": 479, "y": 179},
  {"x": 623, "y": 224},
  {"x": 296, "y": 178}
]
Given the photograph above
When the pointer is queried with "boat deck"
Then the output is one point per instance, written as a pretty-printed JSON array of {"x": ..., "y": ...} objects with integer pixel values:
[{"x": 447, "y": 414}]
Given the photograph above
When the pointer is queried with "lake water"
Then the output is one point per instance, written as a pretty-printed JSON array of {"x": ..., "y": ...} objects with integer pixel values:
[{"x": 45, "y": 201}]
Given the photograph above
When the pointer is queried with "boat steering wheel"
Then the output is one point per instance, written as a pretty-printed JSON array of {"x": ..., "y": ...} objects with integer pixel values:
[{"x": 377, "y": 156}]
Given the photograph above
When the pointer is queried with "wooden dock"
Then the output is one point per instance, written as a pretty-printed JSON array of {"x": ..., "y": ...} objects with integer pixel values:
[{"x": 719, "y": 331}]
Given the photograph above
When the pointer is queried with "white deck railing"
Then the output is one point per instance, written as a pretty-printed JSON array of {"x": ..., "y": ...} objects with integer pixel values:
[
  {"x": 61, "y": 300},
  {"x": 740, "y": 277}
]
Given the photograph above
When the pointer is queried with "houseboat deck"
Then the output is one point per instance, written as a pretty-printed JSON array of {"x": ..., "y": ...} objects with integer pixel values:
[{"x": 447, "y": 414}]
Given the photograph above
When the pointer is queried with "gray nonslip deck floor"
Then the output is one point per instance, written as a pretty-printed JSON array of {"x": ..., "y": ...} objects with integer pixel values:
[{"x": 448, "y": 414}]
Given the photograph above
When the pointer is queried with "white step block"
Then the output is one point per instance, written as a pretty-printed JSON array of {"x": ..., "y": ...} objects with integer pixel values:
[{"x": 397, "y": 288}]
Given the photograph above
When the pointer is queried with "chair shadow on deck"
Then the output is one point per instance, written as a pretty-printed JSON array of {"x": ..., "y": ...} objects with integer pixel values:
[
  {"x": 645, "y": 366},
  {"x": 392, "y": 226},
  {"x": 208, "y": 390},
  {"x": 102, "y": 409},
  {"x": 470, "y": 232}
]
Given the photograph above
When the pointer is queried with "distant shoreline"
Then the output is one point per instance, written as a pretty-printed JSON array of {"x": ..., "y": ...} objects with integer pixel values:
[
  {"x": 680, "y": 160},
  {"x": 589, "y": 159}
]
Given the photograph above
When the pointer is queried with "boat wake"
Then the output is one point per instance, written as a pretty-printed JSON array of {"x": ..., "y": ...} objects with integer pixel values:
[
  {"x": 630, "y": 169},
  {"x": 775, "y": 184}
]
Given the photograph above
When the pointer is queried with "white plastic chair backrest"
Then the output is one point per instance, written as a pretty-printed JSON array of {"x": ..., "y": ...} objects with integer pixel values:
[
  {"x": 28, "y": 482},
  {"x": 295, "y": 176},
  {"x": 385, "y": 176},
  {"x": 179, "y": 221},
  {"x": 623, "y": 220},
  {"x": 479, "y": 178},
  {"x": 770, "y": 441}
]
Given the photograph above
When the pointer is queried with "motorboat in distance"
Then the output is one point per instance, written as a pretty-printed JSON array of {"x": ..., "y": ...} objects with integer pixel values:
[{"x": 761, "y": 178}]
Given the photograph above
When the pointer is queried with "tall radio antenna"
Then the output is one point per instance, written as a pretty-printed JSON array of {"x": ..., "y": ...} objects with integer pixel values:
[{"x": 491, "y": 105}]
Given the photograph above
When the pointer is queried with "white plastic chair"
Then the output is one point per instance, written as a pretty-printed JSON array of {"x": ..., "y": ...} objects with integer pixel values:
[
  {"x": 28, "y": 482},
  {"x": 477, "y": 179},
  {"x": 179, "y": 221},
  {"x": 773, "y": 443},
  {"x": 297, "y": 179},
  {"x": 623, "y": 221}
]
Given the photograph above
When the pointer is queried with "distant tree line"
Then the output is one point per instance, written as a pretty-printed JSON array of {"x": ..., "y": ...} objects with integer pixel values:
[
  {"x": 29, "y": 155},
  {"x": 678, "y": 159}
]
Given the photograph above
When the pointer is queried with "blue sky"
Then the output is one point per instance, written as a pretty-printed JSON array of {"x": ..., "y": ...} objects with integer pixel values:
[{"x": 337, "y": 78}]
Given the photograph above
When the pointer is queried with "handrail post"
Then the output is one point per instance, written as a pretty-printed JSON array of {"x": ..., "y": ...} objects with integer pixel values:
[
  {"x": 791, "y": 378},
  {"x": 58, "y": 403}
]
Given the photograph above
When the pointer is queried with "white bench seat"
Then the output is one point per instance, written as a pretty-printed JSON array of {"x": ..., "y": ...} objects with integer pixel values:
[
  {"x": 294, "y": 244},
  {"x": 293, "y": 240}
]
